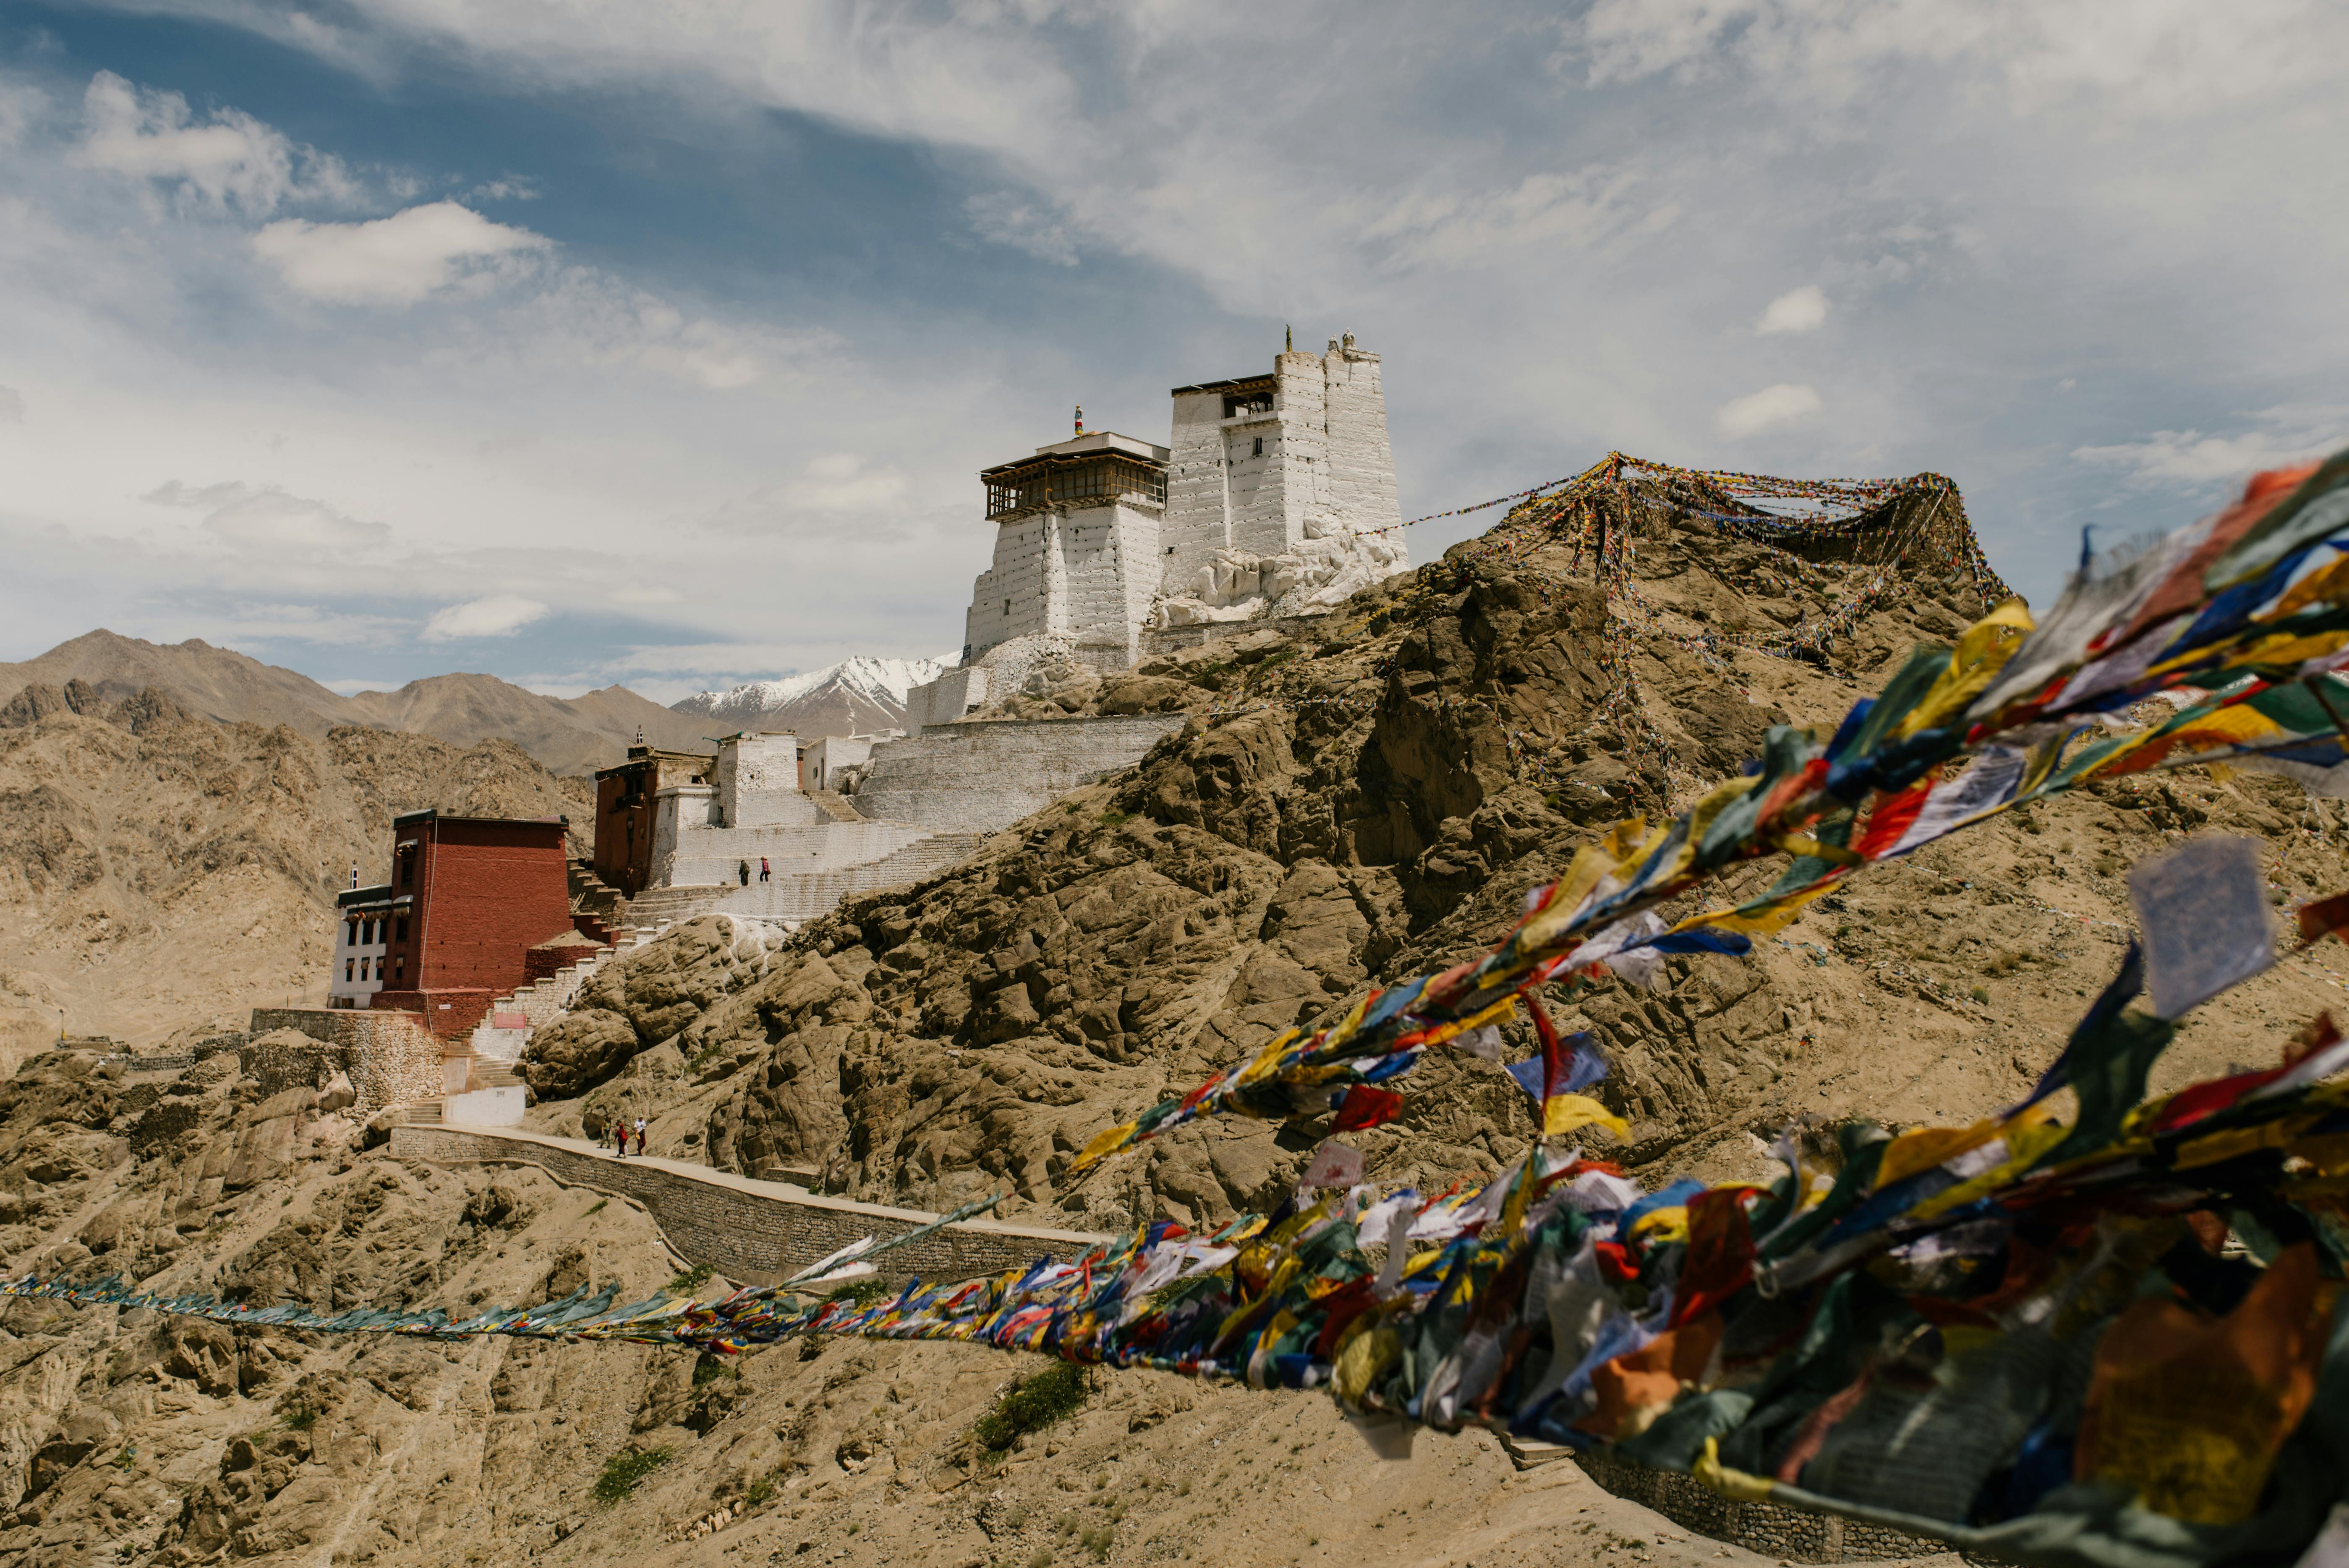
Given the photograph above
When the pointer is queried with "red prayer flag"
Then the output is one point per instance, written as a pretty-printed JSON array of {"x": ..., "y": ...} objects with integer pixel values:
[{"x": 1366, "y": 1107}]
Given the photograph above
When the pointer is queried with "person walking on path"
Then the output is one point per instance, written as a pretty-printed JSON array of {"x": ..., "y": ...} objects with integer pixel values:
[
  {"x": 763, "y": 867},
  {"x": 744, "y": 869},
  {"x": 640, "y": 1136},
  {"x": 620, "y": 1139}
]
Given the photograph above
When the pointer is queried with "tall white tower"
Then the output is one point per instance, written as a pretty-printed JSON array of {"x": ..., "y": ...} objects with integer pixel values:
[
  {"x": 1264, "y": 464},
  {"x": 1076, "y": 547}
]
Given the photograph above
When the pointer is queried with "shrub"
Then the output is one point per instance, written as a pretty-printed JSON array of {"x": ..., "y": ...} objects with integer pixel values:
[
  {"x": 692, "y": 1279},
  {"x": 862, "y": 1291},
  {"x": 299, "y": 1417},
  {"x": 1981, "y": 994},
  {"x": 1033, "y": 1404},
  {"x": 709, "y": 1366},
  {"x": 623, "y": 1470},
  {"x": 1112, "y": 817}
]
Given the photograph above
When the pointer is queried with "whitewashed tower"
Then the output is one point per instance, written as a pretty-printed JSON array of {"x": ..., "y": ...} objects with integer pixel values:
[
  {"x": 1263, "y": 463},
  {"x": 1076, "y": 547}
]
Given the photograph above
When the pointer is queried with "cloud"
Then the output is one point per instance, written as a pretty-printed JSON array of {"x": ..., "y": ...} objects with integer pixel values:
[
  {"x": 12, "y": 406},
  {"x": 597, "y": 318},
  {"x": 228, "y": 159},
  {"x": 1440, "y": 224},
  {"x": 264, "y": 520},
  {"x": 397, "y": 260},
  {"x": 2193, "y": 460},
  {"x": 1797, "y": 310},
  {"x": 1757, "y": 411},
  {"x": 497, "y": 615},
  {"x": 1003, "y": 218}
]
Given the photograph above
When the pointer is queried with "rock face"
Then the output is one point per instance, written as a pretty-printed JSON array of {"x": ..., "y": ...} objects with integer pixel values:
[{"x": 1363, "y": 803}]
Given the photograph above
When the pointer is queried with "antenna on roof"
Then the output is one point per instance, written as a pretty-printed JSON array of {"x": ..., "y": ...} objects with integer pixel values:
[
  {"x": 640, "y": 734},
  {"x": 1289, "y": 339},
  {"x": 1080, "y": 419}
]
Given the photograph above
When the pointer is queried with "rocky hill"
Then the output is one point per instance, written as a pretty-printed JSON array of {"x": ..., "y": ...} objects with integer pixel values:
[
  {"x": 570, "y": 735},
  {"x": 859, "y": 696},
  {"x": 160, "y": 872},
  {"x": 1367, "y": 800}
]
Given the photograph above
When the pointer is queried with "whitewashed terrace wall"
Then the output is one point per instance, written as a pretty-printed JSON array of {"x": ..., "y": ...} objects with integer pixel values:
[{"x": 983, "y": 777}]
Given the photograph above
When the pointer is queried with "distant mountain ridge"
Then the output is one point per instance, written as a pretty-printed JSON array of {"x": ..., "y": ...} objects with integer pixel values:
[
  {"x": 859, "y": 696},
  {"x": 567, "y": 735}
]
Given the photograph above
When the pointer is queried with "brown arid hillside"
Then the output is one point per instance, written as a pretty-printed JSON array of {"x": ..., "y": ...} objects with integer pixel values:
[
  {"x": 130, "y": 1437},
  {"x": 574, "y": 735},
  {"x": 1359, "y": 799},
  {"x": 569, "y": 735},
  {"x": 160, "y": 872}
]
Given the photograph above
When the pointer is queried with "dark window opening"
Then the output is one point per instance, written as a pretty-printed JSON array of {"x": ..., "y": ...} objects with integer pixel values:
[
  {"x": 406, "y": 865},
  {"x": 347, "y": 967},
  {"x": 403, "y": 927},
  {"x": 1259, "y": 447},
  {"x": 1254, "y": 400}
]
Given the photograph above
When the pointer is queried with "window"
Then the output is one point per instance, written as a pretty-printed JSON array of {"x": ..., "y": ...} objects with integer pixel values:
[
  {"x": 407, "y": 865},
  {"x": 1007, "y": 607},
  {"x": 350, "y": 933},
  {"x": 399, "y": 965},
  {"x": 1259, "y": 447},
  {"x": 349, "y": 965},
  {"x": 402, "y": 928}
]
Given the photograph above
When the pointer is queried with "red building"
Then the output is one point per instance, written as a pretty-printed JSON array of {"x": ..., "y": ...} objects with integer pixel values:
[{"x": 472, "y": 896}]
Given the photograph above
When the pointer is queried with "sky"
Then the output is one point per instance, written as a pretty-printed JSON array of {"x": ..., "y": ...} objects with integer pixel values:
[{"x": 585, "y": 341}]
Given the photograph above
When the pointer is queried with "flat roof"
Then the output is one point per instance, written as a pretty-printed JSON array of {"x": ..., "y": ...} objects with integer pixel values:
[
  {"x": 434, "y": 814},
  {"x": 364, "y": 896},
  {"x": 1103, "y": 440},
  {"x": 1234, "y": 384}
]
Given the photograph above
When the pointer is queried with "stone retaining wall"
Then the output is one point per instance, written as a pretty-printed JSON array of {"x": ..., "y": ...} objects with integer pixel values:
[
  {"x": 983, "y": 776},
  {"x": 750, "y": 1237},
  {"x": 1792, "y": 1534},
  {"x": 390, "y": 1058}
]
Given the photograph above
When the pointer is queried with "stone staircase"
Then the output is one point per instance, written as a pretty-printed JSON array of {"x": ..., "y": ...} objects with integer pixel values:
[{"x": 835, "y": 805}]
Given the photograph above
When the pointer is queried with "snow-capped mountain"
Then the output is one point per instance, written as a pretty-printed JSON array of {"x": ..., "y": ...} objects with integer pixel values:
[{"x": 856, "y": 697}]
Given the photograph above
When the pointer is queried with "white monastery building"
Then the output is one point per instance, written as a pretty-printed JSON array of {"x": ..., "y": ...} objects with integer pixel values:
[{"x": 1276, "y": 496}]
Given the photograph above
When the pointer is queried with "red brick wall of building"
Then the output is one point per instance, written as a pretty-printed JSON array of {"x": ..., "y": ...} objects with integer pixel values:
[{"x": 485, "y": 892}]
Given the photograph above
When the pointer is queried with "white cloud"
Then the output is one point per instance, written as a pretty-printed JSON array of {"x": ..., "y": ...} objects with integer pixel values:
[
  {"x": 396, "y": 260},
  {"x": 497, "y": 615},
  {"x": 2191, "y": 460},
  {"x": 595, "y": 318},
  {"x": 266, "y": 521},
  {"x": 1441, "y": 223},
  {"x": 1003, "y": 218},
  {"x": 1797, "y": 310},
  {"x": 227, "y": 158},
  {"x": 1758, "y": 412},
  {"x": 12, "y": 406}
]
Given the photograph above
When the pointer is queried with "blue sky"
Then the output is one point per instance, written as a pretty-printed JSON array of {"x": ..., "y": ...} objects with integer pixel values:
[{"x": 587, "y": 342}]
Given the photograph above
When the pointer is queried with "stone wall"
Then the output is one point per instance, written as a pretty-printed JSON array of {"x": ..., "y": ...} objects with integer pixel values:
[
  {"x": 983, "y": 777},
  {"x": 1086, "y": 571},
  {"x": 751, "y": 1231},
  {"x": 1790, "y": 1534},
  {"x": 390, "y": 1058}
]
